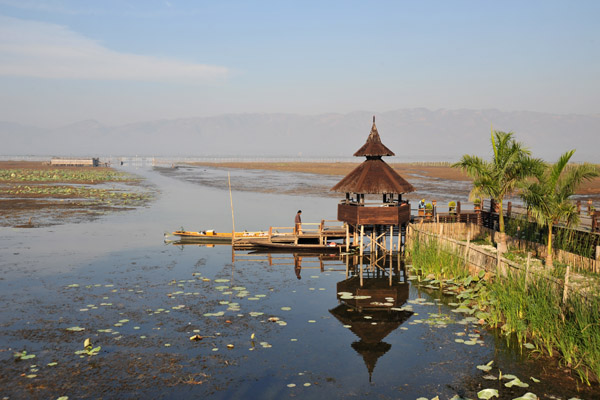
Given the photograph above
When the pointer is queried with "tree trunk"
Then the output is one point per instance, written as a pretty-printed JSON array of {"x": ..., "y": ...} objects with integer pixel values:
[
  {"x": 500, "y": 217},
  {"x": 549, "y": 255},
  {"x": 501, "y": 242}
]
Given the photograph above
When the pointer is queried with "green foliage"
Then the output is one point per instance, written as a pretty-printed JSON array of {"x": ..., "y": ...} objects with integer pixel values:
[
  {"x": 532, "y": 312},
  {"x": 548, "y": 198},
  {"x": 510, "y": 165},
  {"x": 63, "y": 175}
]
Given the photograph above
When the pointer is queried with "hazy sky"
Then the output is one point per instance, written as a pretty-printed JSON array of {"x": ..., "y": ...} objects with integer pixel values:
[{"x": 122, "y": 61}]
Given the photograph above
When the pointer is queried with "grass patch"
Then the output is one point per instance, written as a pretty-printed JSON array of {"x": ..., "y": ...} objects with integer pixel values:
[{"x": 532, "y": 311}]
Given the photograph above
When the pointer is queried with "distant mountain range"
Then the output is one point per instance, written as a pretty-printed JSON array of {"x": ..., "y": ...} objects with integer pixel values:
[{"x": 413, "y": 134}]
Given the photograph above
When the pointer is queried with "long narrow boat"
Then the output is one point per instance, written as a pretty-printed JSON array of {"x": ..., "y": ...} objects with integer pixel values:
[
  {"x": 210, "y": 236},
  {"x": 291, "y": 247}
]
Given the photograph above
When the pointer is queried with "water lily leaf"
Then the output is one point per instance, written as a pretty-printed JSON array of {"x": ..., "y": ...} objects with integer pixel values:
[
  {"x": 291, "y": 385},
  {"x": 75, "y": 329},
  {"x": 516, "y": 382},
  {"x": 486, "y": 367},
  {"x": 527, "y": 396},
  {"x": 534, "y": 379},
  {"x": 529, "y": 346},
  {"x": 486, "y": 394},
  {"x": 509, "y": 377},
  {"x": 286, "y": 308},
  {"x": 490, "y": 377}
]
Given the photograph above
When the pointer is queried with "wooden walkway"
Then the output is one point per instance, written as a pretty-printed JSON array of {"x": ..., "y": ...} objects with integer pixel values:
[{"x": 311, "y": 233}]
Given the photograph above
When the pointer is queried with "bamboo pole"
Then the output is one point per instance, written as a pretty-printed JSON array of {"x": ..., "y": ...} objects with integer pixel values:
[
  {"x": 566, "y": 289},
  {"x": 231, "y": 201},
  {"x": 467, "y": 250},
  {"x": 527, "y": 269}
]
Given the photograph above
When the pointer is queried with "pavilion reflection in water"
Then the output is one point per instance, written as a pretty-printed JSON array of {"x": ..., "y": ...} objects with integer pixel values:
[{"x": 370, "y": 303}]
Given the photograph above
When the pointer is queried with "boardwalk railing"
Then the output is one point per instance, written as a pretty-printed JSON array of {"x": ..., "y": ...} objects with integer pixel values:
[
  {"x": 461, "y": 232},
  {"x": 478, "y": 258}
]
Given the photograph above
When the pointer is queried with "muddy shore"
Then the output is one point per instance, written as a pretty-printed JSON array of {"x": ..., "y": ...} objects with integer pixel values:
[
  {"x": 34, "y": 194},
  {"x": 407, "y": 170}
]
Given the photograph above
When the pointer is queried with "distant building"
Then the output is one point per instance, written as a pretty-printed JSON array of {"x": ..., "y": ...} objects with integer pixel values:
[{"x": 75, "y": 162}]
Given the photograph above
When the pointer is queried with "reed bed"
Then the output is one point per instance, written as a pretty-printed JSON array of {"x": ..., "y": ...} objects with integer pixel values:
[{"x": 531, "y": 310}]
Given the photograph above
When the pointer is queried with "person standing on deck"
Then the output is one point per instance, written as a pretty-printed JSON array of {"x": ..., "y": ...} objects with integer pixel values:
[{"x": 298, "y": 223}]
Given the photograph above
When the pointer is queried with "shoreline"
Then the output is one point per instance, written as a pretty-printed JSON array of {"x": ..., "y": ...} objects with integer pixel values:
[{"x": 406, "y": 170}]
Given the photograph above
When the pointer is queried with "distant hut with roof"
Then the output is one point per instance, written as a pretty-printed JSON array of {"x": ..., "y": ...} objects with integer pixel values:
[{"x": 374, "y": 177}]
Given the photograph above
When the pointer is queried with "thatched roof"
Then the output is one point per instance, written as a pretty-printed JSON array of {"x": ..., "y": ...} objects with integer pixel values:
[
  {"x": 373, "y": 176},
  {"x": 373, "y": 147}
]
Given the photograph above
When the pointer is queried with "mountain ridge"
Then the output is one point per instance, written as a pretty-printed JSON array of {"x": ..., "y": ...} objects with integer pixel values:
[{"x": 411, "y": 133}]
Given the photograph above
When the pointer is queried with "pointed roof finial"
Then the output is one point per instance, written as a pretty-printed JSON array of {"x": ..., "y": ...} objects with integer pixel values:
[{"x": 373, "y": 147}]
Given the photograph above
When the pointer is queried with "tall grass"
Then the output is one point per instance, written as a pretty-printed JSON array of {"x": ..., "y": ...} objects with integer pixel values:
[
  {"x": 430, "y": 258},
  {"x": 571, "y": 240},
  {"x": 532, "y": 311}
]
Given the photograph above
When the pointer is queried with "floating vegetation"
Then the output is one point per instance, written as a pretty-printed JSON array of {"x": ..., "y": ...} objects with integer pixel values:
[{"x": 533, "y": 312}]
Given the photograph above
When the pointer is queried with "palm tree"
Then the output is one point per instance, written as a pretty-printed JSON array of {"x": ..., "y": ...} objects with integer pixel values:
[
  {"x": 511, "y": 164},
  {"x": 548, "y": 199}
]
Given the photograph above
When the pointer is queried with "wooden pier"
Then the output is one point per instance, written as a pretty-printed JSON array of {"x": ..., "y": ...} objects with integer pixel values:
[{"x": 315, "y": 234}]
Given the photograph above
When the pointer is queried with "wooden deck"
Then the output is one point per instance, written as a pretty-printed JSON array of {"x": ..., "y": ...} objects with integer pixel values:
[{"x": 311, "y": 233}]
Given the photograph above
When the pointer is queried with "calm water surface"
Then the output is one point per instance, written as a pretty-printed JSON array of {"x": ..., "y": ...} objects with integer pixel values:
[{"x": 141, "y": 300}]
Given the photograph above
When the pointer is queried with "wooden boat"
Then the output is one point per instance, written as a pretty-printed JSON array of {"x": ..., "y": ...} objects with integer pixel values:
[
  {"x": 210, "y": 236},
  {"x": 291, "y": 247}
]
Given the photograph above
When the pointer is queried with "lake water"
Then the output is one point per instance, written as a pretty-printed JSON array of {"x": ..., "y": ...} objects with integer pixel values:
[{"x": 141, "y": 300}]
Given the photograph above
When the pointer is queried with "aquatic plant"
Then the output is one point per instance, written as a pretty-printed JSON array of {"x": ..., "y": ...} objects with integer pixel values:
[{"x": 530, "y": 309}]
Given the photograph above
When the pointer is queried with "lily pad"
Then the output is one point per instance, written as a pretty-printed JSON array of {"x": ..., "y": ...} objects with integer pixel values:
[
  {"x": 527, "y": 396},
  {"x": 486, "y": 394}
]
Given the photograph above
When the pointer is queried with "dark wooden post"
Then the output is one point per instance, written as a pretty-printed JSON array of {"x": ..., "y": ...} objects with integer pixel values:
[
  {"x": 508, "y": 209},
  {"x": 492, "y": 205},
  {"x": 458, "y": 209},
  {"x": 579, "y": 207},
  {"x": 594, "y": 221}
]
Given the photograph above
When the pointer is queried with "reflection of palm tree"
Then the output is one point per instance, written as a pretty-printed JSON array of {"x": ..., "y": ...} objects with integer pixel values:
[
  {"x": 548, "y": 198},
  {"x": 297, "y": 265}
]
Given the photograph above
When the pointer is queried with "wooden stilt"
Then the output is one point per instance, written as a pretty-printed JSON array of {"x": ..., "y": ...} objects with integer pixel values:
[
  {"x": 361, "y": 271},
  {"x": 362, "y": 232},
  {"x": 390, "y": 260},
  {"x": 347, "y": 266},
  {"x": 347, "y": 238}
]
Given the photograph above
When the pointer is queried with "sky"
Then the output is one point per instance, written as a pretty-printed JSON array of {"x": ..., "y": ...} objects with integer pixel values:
[{"x": 121, "y": 61}]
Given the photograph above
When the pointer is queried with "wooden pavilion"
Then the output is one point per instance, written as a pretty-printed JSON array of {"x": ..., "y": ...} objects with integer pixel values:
[{"x": 374, "y": 176}]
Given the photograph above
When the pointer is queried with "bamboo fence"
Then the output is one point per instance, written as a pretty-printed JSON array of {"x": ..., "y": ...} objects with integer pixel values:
[
  {"x": 478, "y": 258},
  {"x": 460, "y": 231}
]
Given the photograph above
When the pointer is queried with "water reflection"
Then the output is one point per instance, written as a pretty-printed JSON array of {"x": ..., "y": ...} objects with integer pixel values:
[{"x": 370, "y": 305}]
